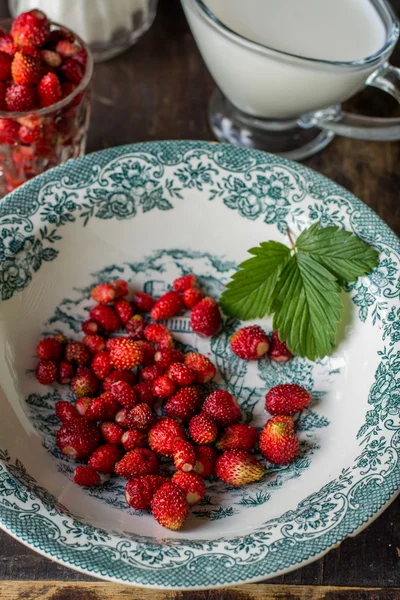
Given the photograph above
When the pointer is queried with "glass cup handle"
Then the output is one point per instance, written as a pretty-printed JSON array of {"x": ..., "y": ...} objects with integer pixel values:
[{"x": 387, "y": 79}]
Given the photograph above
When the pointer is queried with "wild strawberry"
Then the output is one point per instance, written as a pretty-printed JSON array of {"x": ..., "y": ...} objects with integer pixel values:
[
  {"x": 165, "y": 358},
  {"x": 148, "y": 352},
  {"x": 111, "y": 432},
  {"x": 3, "y": 89},
  {"x": 106, "y": 317},
  {"x": 104, "y": 458},
  {"x": 20, "y": 98},
  {"x": 134, "y": 438},
  {"x": 136, "y": 326},
  {"x": 163, "y": 387},
  {"x": 185, "y": 282},
  {"x": 238, "y": 467},
  {"x": 184, "y": 404},
  {"x": 192, "y": 486},
  {"x": 163, "y": 434},
  {"x": 192, "y": 297},
  {"x": 101, "y": 365},
  {"x": 115, "y": 376},
  {"x": 139, "y": 461},
  {"x": 78, "y": 439},
  {"x": 151, "y": 373},
  {"x": 143, "y": 302},
  {"x": 77, "y": 353},
  {"x": 169, "y": 506},
  {"x": 25, "y": 69},
  {"x": 140, "y": 416},
  {"x": 82, "y": 404},
  {"x": 121, "y": 418},
  {"x": 32, "y": 51},
  {"x": 85, "y": 383},
  {"x": 140, "y": 491},
  {"x": 166, "y": 342},
  {"x": 124, "y": 393},
  {"x": 103, "y": 293},
  {"x": 112, "y": 405},
  {"x": 155, "y": 332},
  {"x": 222, "y": 408},
  {"x": 121, "y": 288},
  {"x": 204, "y": 368},
  {"x": 49, "y": 349},
  {"x": 72, "y": 70},
  {"x": 205, "y": 319},
  {"x": 81, "y": 57},
  {"x": 278, "y": 441},
  {"x": 61, "y": 339},
  {"x": 95, "y": 342},
  {"x": 278, "y": 351},
  {"x": 66, "y": 372},
  {"x": 181, "y": 374},
  {"x": 51, "y": 58},
  {"x": 167, "y": 306},
  {"x": 31, "y": 29},
  {"x": 125, "y": 354},
  {"x": 238, "y": 437},
  {"x": 202, "y": 430},
  {"x": 7, "y": 45},
  {"x": 250, "y": 343},
  {"x": 5, "y": 66},
  {"x": 91, "y": 327},
  {"x": 66, "y": 411},
  {"x": 184, "y": 456},
  {"x": 29, "y": 135},
  {"x": 9, "y": 131},
  {"x": 66, "y": 49},
  {"x": 144, "y": 393},
  {"x": 59, "y": 34},
  {"x": 205, "y": 461},
  {"x": 46, "y": 372},
  {"x": 86, "y": 476},
  {"x": 97, "y": 410},
  {"x": 287, "y": 399},
  {"x": 124, "y": 310}
]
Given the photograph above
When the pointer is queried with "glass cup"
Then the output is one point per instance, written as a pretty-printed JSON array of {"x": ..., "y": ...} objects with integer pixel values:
[
  {"x": 286, "y": 104},
  {"x": 33, "y": 141}
]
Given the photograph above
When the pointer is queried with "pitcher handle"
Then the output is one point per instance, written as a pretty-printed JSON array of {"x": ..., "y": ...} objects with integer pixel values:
[{"x": 387, "y": 79}]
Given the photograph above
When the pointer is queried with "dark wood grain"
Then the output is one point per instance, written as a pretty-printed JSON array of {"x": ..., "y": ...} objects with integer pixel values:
[{"x": 157, "y": 90}]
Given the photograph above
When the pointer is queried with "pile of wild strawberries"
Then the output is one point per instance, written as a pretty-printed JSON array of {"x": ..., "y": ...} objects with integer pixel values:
[{"x": 118, "y": 381}]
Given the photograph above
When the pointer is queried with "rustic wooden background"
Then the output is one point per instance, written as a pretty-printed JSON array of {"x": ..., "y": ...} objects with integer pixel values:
[{"x": 159, "y": 90}]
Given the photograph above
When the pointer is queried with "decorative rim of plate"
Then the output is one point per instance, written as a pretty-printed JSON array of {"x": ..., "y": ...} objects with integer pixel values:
[{"x": 186, "y": 564}]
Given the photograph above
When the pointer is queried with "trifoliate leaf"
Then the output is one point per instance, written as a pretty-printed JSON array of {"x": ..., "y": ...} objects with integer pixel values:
[
  {"x": 307, "y": 307},
  {"x": 249, "y": 294}
]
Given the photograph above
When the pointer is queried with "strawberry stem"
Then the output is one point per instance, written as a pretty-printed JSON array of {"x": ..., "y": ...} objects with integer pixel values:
[{"x": 292, "y": 242}]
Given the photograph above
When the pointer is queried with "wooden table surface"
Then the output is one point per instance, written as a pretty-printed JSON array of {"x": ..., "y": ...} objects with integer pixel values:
[{"x": 159, "y": 90}]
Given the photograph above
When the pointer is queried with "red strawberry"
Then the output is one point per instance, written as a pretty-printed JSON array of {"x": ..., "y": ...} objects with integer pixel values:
[
  {"x": 151, "y": 373},
  {"x": 136, "y": 326},
  {"x": 101, "y": 365},
  {"x": 25, "y": 69},
  {"x": 139, "y": 461},
  {"x": 95, "y": 342},
  {"x": 287, "y": 399},
  {"x": 192, "y": 297},
  {"x": 205, "y": 319},
  {"x": 85, "y": 383},
  {"x": 184, "y": 404},
  {"x": 238, "y": 437},
  {"x": 72, "y": 70},
  {"x": 134, "y": 438},
  {"x": 181, "y": 374},
  {"x": 5, "y": 66},
  {"x": 163, "y": 434},
  {"x": 9, "y": 131},
  {"x": 20, "y": 98},
  {"x": 167, "y": 306},
  {"x": 49, "y": 349},
  {"x": 143, "y": 302},
  {"x": 125, "y": 354},
  {"x": 66, "y": 372},
  {"x": 31, "y": 28},
  {"x": 104, "y": 458},
  {"x": 112, "y": 405},
  {"x": 163, "y": 387},
  {"x": 106, "y": 317},
  {"x": 192, "y": 486},
  {"x": 78, "y": 439},
  {"x": 111, "y": 432},
  {"x": 29, "y": 135},
  {"x": 250, "y": 343},
  {"x": 81, "y": 57},
  {"x": 206, "y": 457},
  {"x": 121, "y": 418},
  {"x": 51, "y": 58},
  {"x": 103, "y": 293},
  {"x": 121, "y": 288},
  {"x": 148, "y": 352},
  {"x": 91, "y": 327},
  {"x": 124, "y": 310},
  {"x": 144, "y": 393},
  {"x": 60, "y": 337},
  {"x": 3, "y": 89},
  {"x": 278, "y": 441},
  {"x": 202, "y": 430},
  {"x": 166, "y": 342},
  {"x": 222, "y": 408},
  {"x": 65, "y": 411},
  {"x": 124, "y": 393},
  {"x": 184, "y": 456},
  {"x": 155, "y": 332},
  {"x": 185, "y": 282},
  {"x": 278, "y": 351},
  {"x": 204, "y": 368},
  {"x": 97, "y": 410},
  {"x": 165, "y": 358},
  {"x": 77, "y": 353},
  {"x": 115, "y": 376},
  {"x": 140, "y": 491},
  {"x": 7, "y": 45},
  {"x": 66, "y": 49},
  {"x": 86, "y": 476},
  {"x": 169, "y": 506},
  {"x": 46, "y": 372},
  {"x": 140, "y": 416},
  {"x": 82, "y": 404},
  {"x": 238, "y": 467}
]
